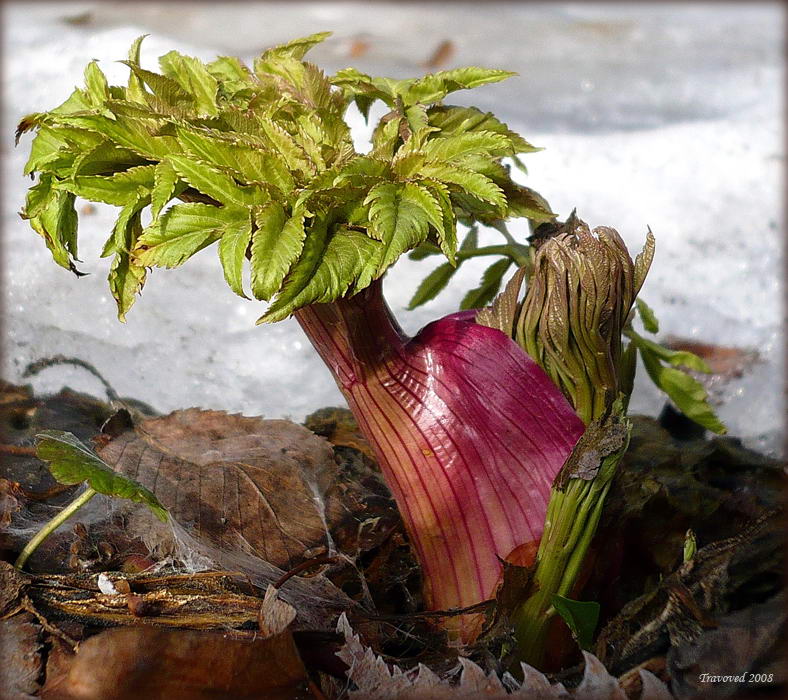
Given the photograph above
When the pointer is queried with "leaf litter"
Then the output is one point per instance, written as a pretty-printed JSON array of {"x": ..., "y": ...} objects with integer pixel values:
[{"x": 255, "y": 503}]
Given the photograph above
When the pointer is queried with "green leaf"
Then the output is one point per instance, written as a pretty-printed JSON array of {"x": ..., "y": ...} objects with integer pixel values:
[
  {"x": 650, "y": 322},
  {"x": 125, "y": 281},
  {"x": 57, "y": 225},
  {"x": 165, "y": 184},
  {"x": 435, "y": 86},
  {"x": 96, "y": 84},
  {"x": 456, "y": 147},
  {"x": 128, "y": 133},
  {"x": 232, "y": 252},
  {"x": 298, "y": 47},
  {"x": 71, "y": 462},
  {"x": 182, "y": 231},
  {"x": 525, "y": 202},
  {"x": 276, "y": 245},
  {"x": 580, "y": 616},
  {"x": 458, "y": 120},
  {"x": 432, "y": 285},
  {"x": 685, "y": 391},
  {"x": 46, "y": 147},
  {"x": 469, "y": 183},
  {"x": 215, "y": 183},
  {"x": 342, "y": 265},
  {"x": 135, "y": 92},
  {"x": 105, "y": 159},
  {"x": 677, "y": 358},
  {"x": 398, "y": 220},
  {"x": 118, "y": 189},
  {"x": 192, "y": 75},
  {"x": 423, "y": 251},
  {"x": 482, "y": 295},
  {"x": 251, "y": 165}
]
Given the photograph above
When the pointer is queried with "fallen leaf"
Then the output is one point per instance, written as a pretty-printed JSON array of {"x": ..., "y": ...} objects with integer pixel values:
[
  {"x": 159, "y": 664},
  {"x": 21, "y": 657}
]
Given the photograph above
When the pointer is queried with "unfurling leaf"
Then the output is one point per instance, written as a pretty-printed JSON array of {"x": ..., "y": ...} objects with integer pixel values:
[
  {"x": 71, "y": 462},
  {"x": 276, "y": 245}
]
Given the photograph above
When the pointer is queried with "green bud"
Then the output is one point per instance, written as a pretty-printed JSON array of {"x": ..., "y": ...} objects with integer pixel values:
[{"x": 578, "y": 300}]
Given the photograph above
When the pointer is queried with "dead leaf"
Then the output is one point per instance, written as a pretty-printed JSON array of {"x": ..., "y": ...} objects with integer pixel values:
[
  {"x": 159, "y": 664},
  {"x": 12, "y": 585},
  {"x": 20, "y": 657},
  {"x": 275, "y": 615}
]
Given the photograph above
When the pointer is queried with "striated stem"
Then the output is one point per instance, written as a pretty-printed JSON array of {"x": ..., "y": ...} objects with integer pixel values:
[{"x": 469, "y": 433}]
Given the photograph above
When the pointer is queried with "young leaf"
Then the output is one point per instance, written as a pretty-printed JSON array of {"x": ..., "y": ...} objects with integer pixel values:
[
  {"x": 118, "y": 189},
  {"x": 125, "y": 281},
  {"x": 580, "y": 616},
  {"x": 182, "y": 231},
  {"x": 486, "y": 291},
  {"x": 135, "y": 92},
  {"x": 215, "y": 183},
  {"x": 57, "y": 225},
  {"x": 685, "y": 391},
  {"x": 232, "y": 252},
  {"x": 165, "y": 181},
  {"x": 677, "y": 358},
  {"x": 276, "y": 245},
  {"x": 71, "y": 462},
  {"x": 191, "y": 74},
  {"x": 298, "y": 47},
  {"x": 650, "y": 322},
  {"x": 397, "y": 219},
  {"x": 432, "y": 285}
]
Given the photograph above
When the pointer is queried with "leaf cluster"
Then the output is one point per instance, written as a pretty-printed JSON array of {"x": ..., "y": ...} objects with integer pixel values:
[{"x": 261, "y": 161}]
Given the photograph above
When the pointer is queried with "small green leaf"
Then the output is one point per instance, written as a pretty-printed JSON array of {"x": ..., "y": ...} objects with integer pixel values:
[
  {"x": 192, "y": 75},
  {"x": 71, "y": 462},
  {"x": 125, "y": 281},
  {"x": 215, "y": 183},
  {"x": 482, "y": 295},
  {"x": 135, "y": 92},
  {"x": 690, "y": 545},
  {"x": 232, "y": 252},
  {"x": 276, "y": 245},
  {"x": 96, "y": 83},
  {"x": 298, "y": 47},
  {"x": 182, "y": 231},
  {"x": 677, "y": 358},
  {"x": 650, "y": 322},
  {"x": 580, "y": 616},
  {"x": 118, "y": 189},
  {"x": 165, "y": 181},
  {"x": 432, "y": 285},
  {"x": 685, "y": 391}
]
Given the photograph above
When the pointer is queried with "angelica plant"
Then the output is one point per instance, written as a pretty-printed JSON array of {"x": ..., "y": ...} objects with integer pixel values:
[{"x": 469, "y": 429}]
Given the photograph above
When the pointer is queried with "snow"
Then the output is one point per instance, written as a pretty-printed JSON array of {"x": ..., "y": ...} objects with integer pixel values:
[{"x": 668, "y": 116}]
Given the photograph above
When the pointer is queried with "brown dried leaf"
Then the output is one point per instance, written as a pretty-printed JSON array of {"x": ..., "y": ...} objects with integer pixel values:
[
  {"x": 20, "y": 657},
  {"x": 133, "y": 663},
  {"x": 240, "y": 483},
  {"x": 12, "y": 584},
  {"x": 441, "y": 55},
  {"x": 729, "y": 362}
]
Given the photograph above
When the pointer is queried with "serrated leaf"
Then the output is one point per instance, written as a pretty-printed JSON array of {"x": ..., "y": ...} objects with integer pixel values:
[
  {"x": 46, "y": 147},
  {"x": 192, "y": 75},
  {"x": 435, "y": 86},
  {"x": 293, "y": 155},
  {"x": 525, "y": 202},
  {"x": 649, "y": 320},
  {"x": 165, "y": 183},
  {"x": 580, "y": 616},
  {"x": 232, "y": 253},
  {"x": 470, "y": 183},
  {"x": 105, "y": 159},
  {"x": 457, "y": 120},
  {"x": 397, "y": 219},
  {"x": 685, "y": 391},
  {"x": 643, "y": 262},
  {"x": 342, "y": 265},
  {"x": 251, "y": 165},
  {"x": 423, "y": 251},
  {"x": 71, "y": 462},
  {"x": 96, "y": 84},
  {"x": 128, "y": 133},
  {"x": 182, "y": 231},
  {"x": 297, "y": 48},
  {"x": 135, "y": 92},
  {"x": 118, "y": 189},
  {"x": 447, "y": 234},
  {"x": 127, "y": 227},
  {"x": 56, "y": 223},
  {"x": 456, "y": 147},
  {"x": 167, "y": 90},
  {"x": 432, "y": 285},
  {"x": 276, "y": 245},
  {"x": 482, "y": 295},
  {"x": 125, "y": 281},
  {"x": 215, "y": 183}
]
